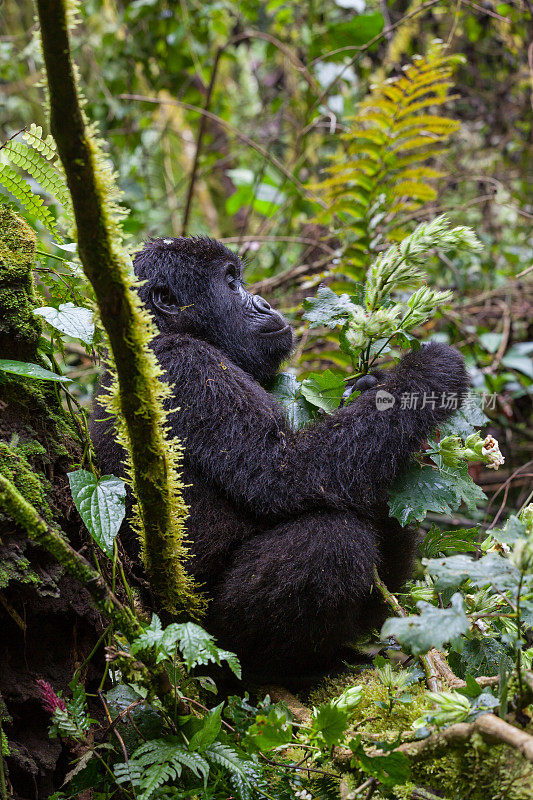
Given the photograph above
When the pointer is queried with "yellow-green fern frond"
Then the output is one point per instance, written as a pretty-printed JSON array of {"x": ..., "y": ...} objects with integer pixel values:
[
  {"x": 37, "y": 158},
  {"x": 387, "y": 168}
]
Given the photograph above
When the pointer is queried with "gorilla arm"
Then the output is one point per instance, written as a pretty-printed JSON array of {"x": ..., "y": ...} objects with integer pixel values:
[{"x": 237, "y": 435}]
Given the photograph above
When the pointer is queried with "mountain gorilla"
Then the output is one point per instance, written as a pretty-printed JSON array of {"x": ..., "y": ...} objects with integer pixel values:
[{"x": 285, "y": 525}]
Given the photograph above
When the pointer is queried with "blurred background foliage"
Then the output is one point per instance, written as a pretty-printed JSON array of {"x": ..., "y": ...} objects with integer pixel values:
[{"x": 230, "y": 119}]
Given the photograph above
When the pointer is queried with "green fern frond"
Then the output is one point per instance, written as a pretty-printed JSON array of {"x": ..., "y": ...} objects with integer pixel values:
[
  {"x": 46, "y": 146},
  {"x": 22, "y": 191},
  {"x": 384, "y": 171},
  {"x": 44, "y": 173}
]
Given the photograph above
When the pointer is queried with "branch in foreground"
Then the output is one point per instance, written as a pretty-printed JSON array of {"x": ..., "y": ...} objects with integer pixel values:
[
  {"x": 152, "y": 675},
  {"x": 138, "y": 400},
  {"x": 491, "y": 728},
  {"x": 426, "y": 661}
]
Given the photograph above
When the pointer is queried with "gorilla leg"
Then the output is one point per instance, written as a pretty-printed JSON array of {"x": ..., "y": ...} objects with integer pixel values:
[{"x": 294, "y": 595}]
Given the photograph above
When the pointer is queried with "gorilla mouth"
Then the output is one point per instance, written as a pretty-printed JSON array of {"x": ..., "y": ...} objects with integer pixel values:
[{"x": 275, "y": 331}]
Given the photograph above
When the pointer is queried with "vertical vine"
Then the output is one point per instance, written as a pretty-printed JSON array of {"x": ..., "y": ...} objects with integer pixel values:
[{"x": 137, "y": 395}]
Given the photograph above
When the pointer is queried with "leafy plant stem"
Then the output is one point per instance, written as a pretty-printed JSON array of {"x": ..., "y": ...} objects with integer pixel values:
[
  {"x": 392, "y": 601},
  {"x": 519, "y": 637}
]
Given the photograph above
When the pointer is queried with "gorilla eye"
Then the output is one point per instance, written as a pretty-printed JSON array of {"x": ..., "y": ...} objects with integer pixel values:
[{"x": 232, "y": 280}]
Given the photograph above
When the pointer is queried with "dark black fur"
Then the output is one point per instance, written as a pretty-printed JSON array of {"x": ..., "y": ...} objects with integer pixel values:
[{"x": 285, "y": 526}]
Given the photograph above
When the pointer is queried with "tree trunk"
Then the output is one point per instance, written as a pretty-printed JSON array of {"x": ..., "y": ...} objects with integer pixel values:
[{"x": 47, "y": 624}]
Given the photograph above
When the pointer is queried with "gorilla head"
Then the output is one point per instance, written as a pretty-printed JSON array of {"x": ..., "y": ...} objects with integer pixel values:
[{"x": 194, "y": 286}]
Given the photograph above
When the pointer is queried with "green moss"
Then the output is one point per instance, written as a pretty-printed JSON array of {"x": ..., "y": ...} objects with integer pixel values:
[
  {"x": 33, "y": 487},
  {"x": 476, "y": 772},
  {"x": 19, "y": 328}
]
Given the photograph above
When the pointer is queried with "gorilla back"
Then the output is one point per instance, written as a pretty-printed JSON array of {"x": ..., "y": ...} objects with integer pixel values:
[{"x": 285, "y": 525}]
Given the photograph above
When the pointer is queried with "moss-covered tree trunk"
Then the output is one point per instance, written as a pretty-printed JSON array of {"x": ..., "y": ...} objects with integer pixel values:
[{"x": 47, "y": 624}]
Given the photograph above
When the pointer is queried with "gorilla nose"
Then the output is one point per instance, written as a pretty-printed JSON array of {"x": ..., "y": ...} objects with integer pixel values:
[{"x": 259, "y": 304}]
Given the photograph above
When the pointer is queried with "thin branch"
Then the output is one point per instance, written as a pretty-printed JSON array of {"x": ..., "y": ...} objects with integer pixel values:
[
  {"x": 426, "y": 661},
  {"x": 491, "y": 728}
]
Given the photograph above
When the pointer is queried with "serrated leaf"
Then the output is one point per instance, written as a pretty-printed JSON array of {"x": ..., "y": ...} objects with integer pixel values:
[
  {"x": 433, "y": 627},
  {"x": 287, "y": 390},
  {"x": 492, "y": 569},
  {"x": 330, "y": 722},
  {"x": 327, "y": 308},
  {"x": 390, "y": 770},
  {"x": 270, "y": 731},
  {"x": 324, "y": 389},
  {"x": 101, "y": 503},
  {"x": 483, "y": 656},
  {"x": 417, "y": 491},
  {"x": 72, "y": 320},
  {"x": 438, "y": 541},
  {"x": 28, "y": 370}
]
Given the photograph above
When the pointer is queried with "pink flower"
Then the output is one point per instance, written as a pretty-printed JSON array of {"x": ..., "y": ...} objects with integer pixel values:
[{"x": 49, "y": 698}]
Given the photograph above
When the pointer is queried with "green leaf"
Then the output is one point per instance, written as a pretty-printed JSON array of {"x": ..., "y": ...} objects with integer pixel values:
[
  {"x": 438, "y": 541},
  {"x": 482, "y": 656},
  {"x": 417, "y": 491},
  {"x": 227, "y": 758},
  {"x": 433, "y": 627},
  {"x": 513, "y": 529},
  {"x": 466, "y": 419},
  {"x": 390, "y": 770},
  {"x": 330, "y": 722},
  {"x": 324, "y": 389},
  {"x": 101, "y": 503},
  {"x": 209, "y": 730},
  {"x": 270, "y": 731},
  {"x": 28, "y": 370},
  {"x": 70, "y": 319},
  {"x": 463, "y": 486},
  {"x": 288, "y": 392},
  {"x": 327, "y": 308},
  {"x": 492, "y": 569}
]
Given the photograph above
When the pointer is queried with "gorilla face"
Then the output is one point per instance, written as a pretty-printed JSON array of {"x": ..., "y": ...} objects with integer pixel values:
[{"x": 194, "y": 285}]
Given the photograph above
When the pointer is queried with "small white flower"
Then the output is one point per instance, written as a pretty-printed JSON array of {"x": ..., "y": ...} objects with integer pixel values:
[
  {"x": 480, "y": 625},
  {"x": 491, "y": 450}
]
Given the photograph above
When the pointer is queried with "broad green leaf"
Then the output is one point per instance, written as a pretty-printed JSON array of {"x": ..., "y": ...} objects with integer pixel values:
[
  {"x": 270, "y": 731},
  {"x": 463, "y": 486},
  {"x": 70, "y": 319},
  {"x": 492, "y": 569},
  {"x": 327, "y": 308},
  {"x": 483, "y": 656},
  {"x": 521, "y": 363},
  {"x": 419, "y": 490},
  {"x": 513, "y": 529},
  {"x": 490, "y": 341},
  {"x": 433, "y": 627},
  {"x": 288, "y": 392},
  {"x": 324, "y": 389},
  {"x": 28, "y": 370},
  {"x": 209, "y": 730},
  {"x": 330, "y": 721},
  {"x": 390, "y": 770},
  {"x": 466, "y": 419},
  {"x": 438, "y": 541},
  {"x": 101, "y": 503}
]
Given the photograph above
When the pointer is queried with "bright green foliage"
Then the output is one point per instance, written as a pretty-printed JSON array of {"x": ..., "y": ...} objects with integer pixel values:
[
  {"x": 21, "y": 189},
  {"x": 422, "y": 488},
  {"x": 384, "y": 170},
  {"x": 39, "y": 159},
  {"x": 433, "y": 627},
  {"x": 101, "y": 503},
  {"x": 44, "y": 173},
  {"x": 196, "y": 645},
  {"x": 28, "y": 370}
]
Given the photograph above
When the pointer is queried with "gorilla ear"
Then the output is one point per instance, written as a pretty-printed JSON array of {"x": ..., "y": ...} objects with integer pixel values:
[{"x": 164, "y": 301}]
